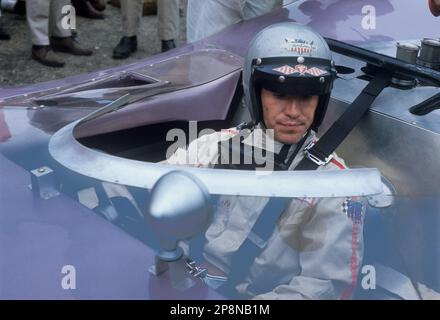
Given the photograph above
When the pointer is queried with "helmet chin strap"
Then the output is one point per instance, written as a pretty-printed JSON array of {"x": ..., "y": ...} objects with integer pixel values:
[{"x": 320, "y": 112}]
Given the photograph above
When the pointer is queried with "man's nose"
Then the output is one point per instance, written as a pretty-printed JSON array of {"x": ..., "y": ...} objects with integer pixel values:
[{"x": 292, "y": 108}]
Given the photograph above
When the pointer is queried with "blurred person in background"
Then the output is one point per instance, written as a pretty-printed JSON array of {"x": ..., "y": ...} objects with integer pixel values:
[
  {"x": 47, "y": 33},
  {"x": 168, "y": 28},
  {"x": 206, "y": 17},
  {"x": 131, "y": 10}
]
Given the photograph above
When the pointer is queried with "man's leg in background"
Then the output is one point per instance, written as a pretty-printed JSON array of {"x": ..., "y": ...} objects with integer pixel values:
[
  {"x": 61, "y": 37},
  {"x": 37, "y": 16},
  {"x": 168, "y": 16},
  {"x": 131, "y": 11}
]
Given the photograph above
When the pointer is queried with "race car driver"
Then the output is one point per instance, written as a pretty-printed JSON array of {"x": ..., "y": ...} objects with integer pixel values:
[{"x": 313, "y": 248}]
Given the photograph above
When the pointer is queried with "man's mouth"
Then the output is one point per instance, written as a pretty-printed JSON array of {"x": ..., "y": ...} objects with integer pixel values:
[{"x": 291, "y": 124}]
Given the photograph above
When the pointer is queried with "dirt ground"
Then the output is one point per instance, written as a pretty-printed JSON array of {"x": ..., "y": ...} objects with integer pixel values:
[{"x": 18, "y": 69}]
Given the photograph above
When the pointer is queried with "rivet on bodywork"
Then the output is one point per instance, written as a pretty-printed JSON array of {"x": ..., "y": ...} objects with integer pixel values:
[
  {"x": 281, "y": 79},
  {"x": 322, "y": 80},
  {"x": 300, "y": 60},
  {"x": 259, "y": 61}
]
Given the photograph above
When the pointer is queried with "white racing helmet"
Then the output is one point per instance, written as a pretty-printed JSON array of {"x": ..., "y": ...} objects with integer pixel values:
[{"x": 292, "y": 59}]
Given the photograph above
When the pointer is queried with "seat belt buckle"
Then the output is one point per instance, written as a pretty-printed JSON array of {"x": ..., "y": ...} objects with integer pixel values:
[
  {"x": 212, "y": 281},
  {"x": 315, "y": 156}
]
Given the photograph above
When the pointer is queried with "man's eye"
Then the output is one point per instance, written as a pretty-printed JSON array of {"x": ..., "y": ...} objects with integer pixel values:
[
  {"x": 305, "y": 97},
  {"x": 280, "y": 96}
]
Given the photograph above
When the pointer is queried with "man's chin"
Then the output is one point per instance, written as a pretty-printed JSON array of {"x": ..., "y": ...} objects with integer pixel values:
[{"x": 287, "y": 138}]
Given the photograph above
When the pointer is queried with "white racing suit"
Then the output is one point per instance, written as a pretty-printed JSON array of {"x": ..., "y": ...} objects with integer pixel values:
[{"x": 315, "y": 250}]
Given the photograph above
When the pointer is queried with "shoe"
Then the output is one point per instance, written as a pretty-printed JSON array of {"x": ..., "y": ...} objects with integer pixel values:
[
  {"x": 46, "y": 56},
  {"x": 68, "y": 45},
  {"x": 125, "y": 48},
  {"x": 4, "y": 35},
  {"x": 168, "y": 45}
]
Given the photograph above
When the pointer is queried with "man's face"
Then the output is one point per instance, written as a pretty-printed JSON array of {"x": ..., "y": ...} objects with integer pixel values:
[{"x": 289, "y": 116}]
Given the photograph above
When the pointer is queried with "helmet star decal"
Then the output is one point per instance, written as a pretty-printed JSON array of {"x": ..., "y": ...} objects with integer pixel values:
[{"x": 301, "y": 69}]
